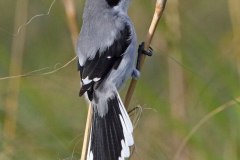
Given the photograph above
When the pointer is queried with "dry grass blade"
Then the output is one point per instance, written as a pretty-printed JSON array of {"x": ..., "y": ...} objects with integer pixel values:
[
  {"x": 34, "y": 17},
  {"x": 203, "y": 121},
  {"x": 36, "y": 72}
]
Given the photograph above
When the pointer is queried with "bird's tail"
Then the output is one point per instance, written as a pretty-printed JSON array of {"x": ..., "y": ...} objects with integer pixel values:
[{"x": 111, "y": 134}]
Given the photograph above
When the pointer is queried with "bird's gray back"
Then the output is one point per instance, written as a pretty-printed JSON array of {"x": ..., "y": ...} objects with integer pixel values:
[{"x": 99, "y": 29}]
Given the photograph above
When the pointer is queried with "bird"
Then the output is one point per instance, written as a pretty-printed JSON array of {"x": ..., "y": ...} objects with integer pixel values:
[{"x": 106, "y": 50}]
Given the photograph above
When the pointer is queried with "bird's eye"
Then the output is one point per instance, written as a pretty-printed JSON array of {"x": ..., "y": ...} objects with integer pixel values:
[{"x": 113, "y": 3}]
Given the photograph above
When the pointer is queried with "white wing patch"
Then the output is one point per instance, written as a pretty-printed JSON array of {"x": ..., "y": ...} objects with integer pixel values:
[
  {"x": 96, "y": 79},
  {"x": 86, "y": 80}
]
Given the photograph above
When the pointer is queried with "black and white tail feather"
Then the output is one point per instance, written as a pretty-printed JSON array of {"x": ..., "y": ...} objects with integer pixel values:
[{"x": 111, "y": 134}]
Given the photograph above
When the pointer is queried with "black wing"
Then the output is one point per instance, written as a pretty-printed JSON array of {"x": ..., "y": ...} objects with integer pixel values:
[{"x": 95, "y": 70}]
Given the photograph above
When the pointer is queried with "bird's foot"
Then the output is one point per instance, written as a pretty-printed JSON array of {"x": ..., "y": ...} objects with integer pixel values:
[{"x": 142, "y": 51}]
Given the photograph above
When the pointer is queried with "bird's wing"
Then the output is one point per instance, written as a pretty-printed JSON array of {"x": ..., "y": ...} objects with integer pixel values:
[{"x": 95, "y": 70}]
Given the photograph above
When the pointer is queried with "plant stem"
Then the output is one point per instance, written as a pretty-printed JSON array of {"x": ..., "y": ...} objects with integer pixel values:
[
  {"x": 234, "y": 13},
  {"x": 159, "y": 8},
  {"x": 176, "y": 75},
  {"x": 72, "y": 20},
  {"x": 15, "y": 68},
  {"x": 87, "y": 133}
]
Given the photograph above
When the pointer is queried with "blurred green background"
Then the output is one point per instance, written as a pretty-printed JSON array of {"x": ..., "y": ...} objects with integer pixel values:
[{"x": 195, "y": 69}]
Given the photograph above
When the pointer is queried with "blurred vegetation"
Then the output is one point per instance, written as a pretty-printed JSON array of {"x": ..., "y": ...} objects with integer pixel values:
[{"x": 51, "y": 117}]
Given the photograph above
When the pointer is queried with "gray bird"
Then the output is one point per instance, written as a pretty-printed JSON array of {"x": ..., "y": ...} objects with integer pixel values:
[{"x": 107, "y": 51}]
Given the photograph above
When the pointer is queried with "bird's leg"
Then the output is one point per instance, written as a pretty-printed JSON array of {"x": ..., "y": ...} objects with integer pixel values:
[{"x": 141, "y": 51}]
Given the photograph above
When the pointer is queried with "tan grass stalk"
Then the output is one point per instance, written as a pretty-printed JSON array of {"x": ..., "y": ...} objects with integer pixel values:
[
  {"x": 39, "y": 72},
  {"x": 234, "y": 13},
  {"x": 13, "y": 87},
  {"x": 159, "y": 8},
  {"x": 176, "y": 75},
  {"x": 72, "y": 20}
]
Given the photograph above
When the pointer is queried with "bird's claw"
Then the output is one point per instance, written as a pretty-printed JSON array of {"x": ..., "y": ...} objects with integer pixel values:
[{"x": 141, "y": 50}]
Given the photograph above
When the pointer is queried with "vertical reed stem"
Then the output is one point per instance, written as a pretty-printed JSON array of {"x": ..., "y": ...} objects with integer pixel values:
[
  {"x": 72, "y": 20},
  {"x": 13, "y": 87},
  {"x": 234, "y": 11}
]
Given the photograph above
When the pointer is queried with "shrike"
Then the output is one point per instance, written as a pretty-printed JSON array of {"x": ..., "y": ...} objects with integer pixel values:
[{"x": 107, "y": 50}]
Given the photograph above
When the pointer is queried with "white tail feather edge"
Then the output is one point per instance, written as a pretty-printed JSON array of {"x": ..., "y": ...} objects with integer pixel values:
[
  {"x": 127, "y": 131},
  {"x": 90, "y": 154}
]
